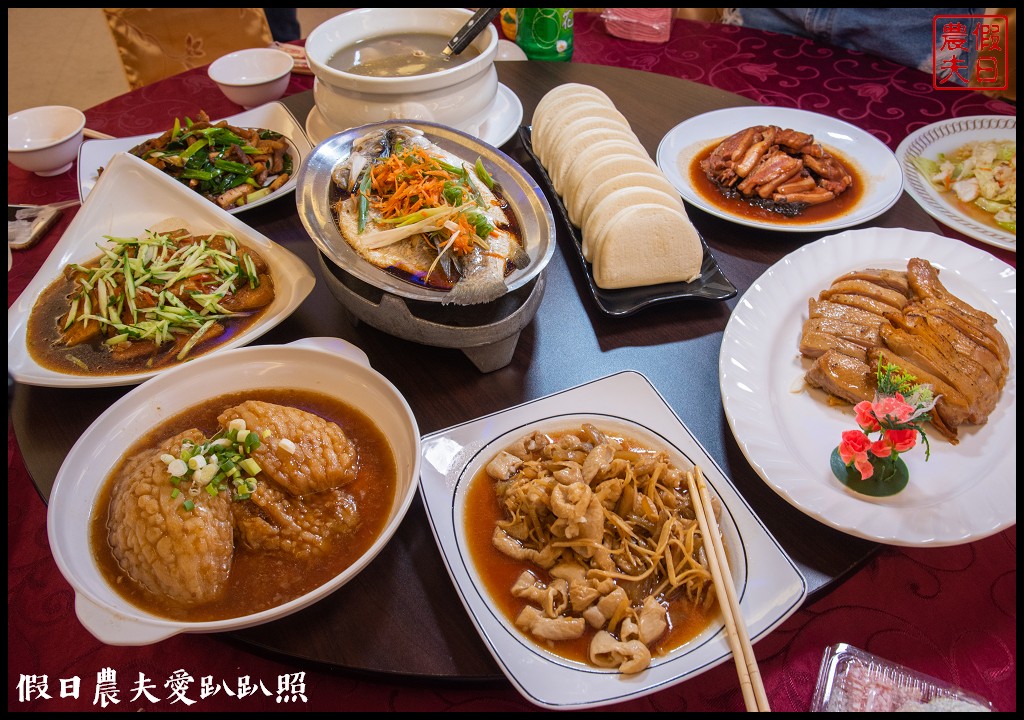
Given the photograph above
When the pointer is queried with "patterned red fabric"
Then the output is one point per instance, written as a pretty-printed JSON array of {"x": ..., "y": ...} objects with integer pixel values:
[{"x": 947, "y": 612}]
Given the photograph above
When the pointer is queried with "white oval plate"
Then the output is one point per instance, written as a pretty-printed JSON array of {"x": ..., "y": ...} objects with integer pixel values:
[
  {"x": 131, "y": 196},
  {"x": 495, "y": 126},
  {"x": 963, "y": 493},
  {"x": 874, "y": 161},
  {"x": 768, "y": 584},
  {"x": 95, "y": 154},
  {"x": 329, "y": 366},
  {"x": 946, "y": 136}
]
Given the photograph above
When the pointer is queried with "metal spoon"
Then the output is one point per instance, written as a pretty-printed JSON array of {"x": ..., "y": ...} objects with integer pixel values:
[{"x": 468, "y": 32}]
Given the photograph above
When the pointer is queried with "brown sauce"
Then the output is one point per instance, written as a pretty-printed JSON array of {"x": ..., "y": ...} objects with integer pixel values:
[
  {"x": 836, "y": 208},
  {"x": 46, "y": 345},
  {"x": 261, "y": 580},
  {"x": 499, "y": 572}
]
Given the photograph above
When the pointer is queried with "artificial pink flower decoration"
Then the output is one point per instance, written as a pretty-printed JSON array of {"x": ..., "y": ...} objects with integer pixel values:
[
  {"x": 866, "y": 416},
  {"x": 893, "y": 409},
  {"x": 854, "y": 448},
  {"x": 898, "y": 411},
  {"x": 901, "y": 440}
]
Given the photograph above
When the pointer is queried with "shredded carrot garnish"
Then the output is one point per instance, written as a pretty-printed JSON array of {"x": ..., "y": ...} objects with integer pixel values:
[{"x": 411, "y": 180}]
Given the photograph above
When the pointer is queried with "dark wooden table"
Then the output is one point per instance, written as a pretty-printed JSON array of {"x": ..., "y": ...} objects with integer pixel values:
[{"x": 402, "y": 615}]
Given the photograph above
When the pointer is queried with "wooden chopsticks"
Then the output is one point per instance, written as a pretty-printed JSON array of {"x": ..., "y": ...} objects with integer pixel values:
[{"x": 751, "y": 685}]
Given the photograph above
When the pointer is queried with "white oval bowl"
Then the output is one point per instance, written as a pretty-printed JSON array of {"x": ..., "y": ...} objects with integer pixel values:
[
  {"x": 45, "y": 140},
  {"x": 329, "y": 366},
  {"x": 447, "y": 97}
]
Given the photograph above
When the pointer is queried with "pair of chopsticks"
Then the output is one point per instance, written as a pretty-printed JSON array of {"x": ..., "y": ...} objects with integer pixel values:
[
  {"x": 754, "y": 695},
  {"x": 96, "y": 134}
]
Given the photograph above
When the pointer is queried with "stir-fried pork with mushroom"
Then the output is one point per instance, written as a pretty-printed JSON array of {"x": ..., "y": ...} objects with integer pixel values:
[
  {"x": 609, "y": 526},
  {"x": 229, "y": 165}
]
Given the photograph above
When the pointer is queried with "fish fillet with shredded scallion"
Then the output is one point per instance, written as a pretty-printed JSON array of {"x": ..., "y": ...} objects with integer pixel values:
[{"x": 160, "y": 288}]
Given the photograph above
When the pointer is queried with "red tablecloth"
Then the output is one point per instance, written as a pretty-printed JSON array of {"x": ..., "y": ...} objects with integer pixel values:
[{"x": 947, "y": 612}]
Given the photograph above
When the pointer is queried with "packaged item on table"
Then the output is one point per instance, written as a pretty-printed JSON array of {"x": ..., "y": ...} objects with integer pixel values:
[
  {"x": 652, "y": 25},
  {"x": 852, "y": 680}
]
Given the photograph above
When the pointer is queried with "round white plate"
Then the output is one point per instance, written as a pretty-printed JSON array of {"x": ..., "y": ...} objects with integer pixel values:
[
  {"x": 495, "y": 126},
  {"x": 946, "y": 136},
  {"x": 96, "y": 154},
  {"x": 873, "y": 160},
  {"x": 963, "y": 492},
  {"x": 769, "y": 586}
]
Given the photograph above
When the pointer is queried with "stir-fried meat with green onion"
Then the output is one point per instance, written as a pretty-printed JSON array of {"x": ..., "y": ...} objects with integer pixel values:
[
  {"x": 229, "y": 165},
  {"x": 157, "y": 298}
]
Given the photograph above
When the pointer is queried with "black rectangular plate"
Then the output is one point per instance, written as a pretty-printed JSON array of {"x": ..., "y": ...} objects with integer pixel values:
[{"x": 711, "y": 285}]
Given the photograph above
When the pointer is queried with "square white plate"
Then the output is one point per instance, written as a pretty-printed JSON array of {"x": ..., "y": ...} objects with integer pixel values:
[
  {"x": 130, "y": 197},
  {"x": 768, "y": 584},
  {"x": 96, "y": 154}
]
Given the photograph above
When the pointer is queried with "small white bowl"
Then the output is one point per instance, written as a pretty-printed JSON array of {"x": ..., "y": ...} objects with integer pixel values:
[
  {"x": 45, "y": 140},
  {"x": 252, "y": 77}
]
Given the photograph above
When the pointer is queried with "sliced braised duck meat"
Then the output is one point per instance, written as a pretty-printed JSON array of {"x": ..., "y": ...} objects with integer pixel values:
[
  {"x": 843, "y": 376},
  {"x": 814, "y": 344},
  {"x": 924, "y": 282},
  {"x": 864, "y": 335},
  {"x": 827, "y": 308},
  {"x": 892, "y": 279},
  {"x": 868, "y": 289},
  {"x": 911, "y": 320},
  {"x": 939, "y": 359},
  {"x": 915, "y": 314},
  {"x": 985, "y": 334},
  {"x": 862, "y": 302}
]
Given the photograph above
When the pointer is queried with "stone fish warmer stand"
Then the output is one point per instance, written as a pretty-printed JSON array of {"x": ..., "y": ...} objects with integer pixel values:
[{"x": 487, "y": 333}]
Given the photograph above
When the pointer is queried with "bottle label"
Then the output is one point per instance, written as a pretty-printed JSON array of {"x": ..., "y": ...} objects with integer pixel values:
[{"x": 545, "y": 33}]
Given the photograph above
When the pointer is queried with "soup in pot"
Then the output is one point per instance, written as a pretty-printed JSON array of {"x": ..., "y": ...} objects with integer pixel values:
[{"x": 399, "y": 55}]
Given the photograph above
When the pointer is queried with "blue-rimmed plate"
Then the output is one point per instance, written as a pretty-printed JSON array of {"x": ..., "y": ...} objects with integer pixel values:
[{"x": 944, "y": 137}]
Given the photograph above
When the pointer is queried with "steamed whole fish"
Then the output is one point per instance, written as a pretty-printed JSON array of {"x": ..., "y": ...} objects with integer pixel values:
[{"x": 434, "y": 219}]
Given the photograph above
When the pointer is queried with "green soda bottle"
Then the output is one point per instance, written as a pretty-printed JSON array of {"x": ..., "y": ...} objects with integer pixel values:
[{"x": 545, "y": 33}]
